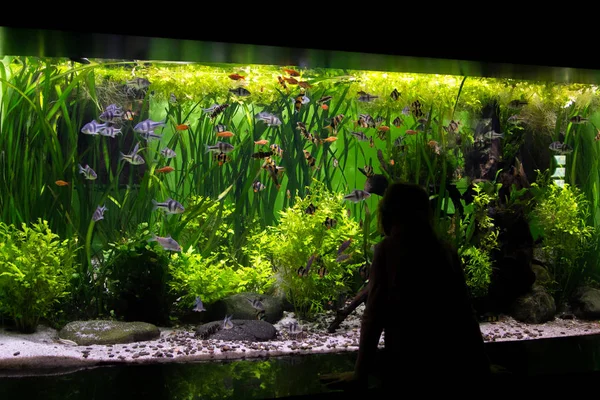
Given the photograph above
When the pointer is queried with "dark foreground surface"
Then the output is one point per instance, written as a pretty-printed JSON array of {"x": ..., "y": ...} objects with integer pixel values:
[{"x": 537, "y": 367}]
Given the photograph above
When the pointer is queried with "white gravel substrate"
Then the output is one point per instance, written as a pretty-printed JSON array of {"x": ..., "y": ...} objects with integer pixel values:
[{"x": 42, "y": 350}]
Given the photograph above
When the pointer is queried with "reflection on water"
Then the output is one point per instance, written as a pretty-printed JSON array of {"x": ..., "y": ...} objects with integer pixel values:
[{"x": 243, "y": 379}]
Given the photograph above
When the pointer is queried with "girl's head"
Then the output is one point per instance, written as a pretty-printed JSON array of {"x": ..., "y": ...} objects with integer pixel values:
[{"x": 404, "y": 206}]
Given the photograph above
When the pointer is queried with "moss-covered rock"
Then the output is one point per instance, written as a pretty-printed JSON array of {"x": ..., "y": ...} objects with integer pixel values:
[
  {"x": 239, "y": 307},
  {"x": 535, "y": 307},
  {"x": 86, "y": 333},
  {"x": 250, "y": 330}
]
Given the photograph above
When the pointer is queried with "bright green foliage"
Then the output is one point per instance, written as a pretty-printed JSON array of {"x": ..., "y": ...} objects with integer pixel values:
[
  {"x": 299, "y": 235},
  {"x": 479, "y": 237},
  {"x": 36, "y": 269},
  {"x": 562, "y": 215},
  {"x": 214, "y": 277}
]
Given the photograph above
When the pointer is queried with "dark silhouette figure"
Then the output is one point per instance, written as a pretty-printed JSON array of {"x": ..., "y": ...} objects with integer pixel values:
[{"x": 417, "y": 295}]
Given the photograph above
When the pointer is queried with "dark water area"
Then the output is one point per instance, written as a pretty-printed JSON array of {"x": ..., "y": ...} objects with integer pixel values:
[
  {"x": 242, "y": 379},
  {"x": 533, "y": 361}
]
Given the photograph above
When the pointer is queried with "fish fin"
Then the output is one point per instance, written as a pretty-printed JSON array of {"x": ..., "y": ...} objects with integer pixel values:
[
  {"x": 121, "y": 156},
  {"x": 207, "y": 149},
  {"x": 155, "y": 204},
  {"x": 153, "y": 238}
]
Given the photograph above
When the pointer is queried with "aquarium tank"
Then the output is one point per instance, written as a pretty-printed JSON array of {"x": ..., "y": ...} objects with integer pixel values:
[{"x": 206, "y": 195}]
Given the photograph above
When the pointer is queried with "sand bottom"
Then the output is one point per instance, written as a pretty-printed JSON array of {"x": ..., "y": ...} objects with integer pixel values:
[{"x": 42, "y": 350}]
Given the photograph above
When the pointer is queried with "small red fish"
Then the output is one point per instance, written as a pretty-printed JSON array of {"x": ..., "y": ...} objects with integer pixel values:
[
  {"x": 411, "y": 132},
  {"x": 330, "y": 139},
  {"x": 304, "y": 85},
  {"x": 262, "y": 142},
  {"x": 225, "y": 134},
  {"x": 324, "y": 106},
  {"x": 236, "y": 77},
  {"x": 383, "y": 128},
  {"x": 291, "y": 81},
  {"x": 165, "y": 170},
  {"x": 291, "y": 72},
  {"x": 182, "y": 127},
  {"x": 61, "y": 183}
]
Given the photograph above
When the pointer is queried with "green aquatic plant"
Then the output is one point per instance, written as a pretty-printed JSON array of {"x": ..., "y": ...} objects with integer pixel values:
[
  {"x": 132, "y": 279},
  {"x": 36, "y": 271},
  {"x": 477, "y": 238},
  {"x": 302, "y": 234},
  {"x": 214, "y": 277},
  {"x": 561, "y": 213}
]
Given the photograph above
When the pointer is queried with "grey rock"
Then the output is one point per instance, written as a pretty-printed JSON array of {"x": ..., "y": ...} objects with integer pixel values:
[
  {"x": 585, "y": 303},
  {"x": 535, "y": 307},
  {"x": 86, "y": 333},
  {"x": 251, "y": 330},
  {"x": 239, "y": 307}
]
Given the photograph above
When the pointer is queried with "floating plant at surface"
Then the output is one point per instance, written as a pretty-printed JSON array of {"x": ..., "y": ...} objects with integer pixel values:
[{"x": 314, "y": 249}]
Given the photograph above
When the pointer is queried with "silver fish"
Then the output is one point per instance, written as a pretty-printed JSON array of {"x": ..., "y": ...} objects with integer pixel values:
[
  {"x": 398, "y": 142},
  {"x": 560, "y": 148},
  {"x": 220, "y": 128},
  {"x": 367, "y": 97},
  {"x": 240, "y": 91},
  {"x": 139, "y": 83},
  {"x": 167, "y": 243},
  {"x": 92, "y": 128},
  {"x": 113, "y": 108},
  {"x": 357, "y": 196},
  {"x": 133, "y": 158},
  {"x": 99, "y": 213},
  {"x": 269, "y": 119},
  {"x": 148, "y": 126},
  {"x": 578, "y": 119},
  {"x": 220, "y": 147},
  {"x": 110, "y": 115},
  {"x": 256, "y": 303},
  {"x": 211, "y": 108},
  {"x": 88, "y": 172},
  {"x": 110, "y": 131},
  {"x": 493, "y": 135},
  {"x": 406, "y": 110},
  {"x": 198, "y": 306},
  {"x": 515, "y": 119},
  {"x": 150, "y": 135},
  {"x": 360, "y": 136},
  {"x": 227, "y": 324},
  {"x": 168, "y": 153},
  {"x": 172, "y": 98},
  {"x": 170, "y": 206}
]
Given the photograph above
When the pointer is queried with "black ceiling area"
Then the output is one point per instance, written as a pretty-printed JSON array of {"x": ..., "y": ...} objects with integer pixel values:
[{"x": 381, "y": 49}]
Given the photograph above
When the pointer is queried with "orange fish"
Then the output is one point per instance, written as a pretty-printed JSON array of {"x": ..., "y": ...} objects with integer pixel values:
[
  {"x": 61, "y": 183},
  {"x": 392, "y": 162},
  {"x": 166, "y": 169},
  {"x": 236, "y": 77},
  {"x": 383, "y": 128},
  {"x": 291, "y": 72},
  {"x": 330, "y": 139},
  {"x": 182, "y": 127},
  {"x": 304, "y": 85},
  {"x": 225, "y": 134},
  {"x": 411, "y": 132},
  {"x": 324, "y": 106},
  {"x": 282, "y": 82},
  {"x": 291, "y": 81},
  {"x": 262, "y": 142}
]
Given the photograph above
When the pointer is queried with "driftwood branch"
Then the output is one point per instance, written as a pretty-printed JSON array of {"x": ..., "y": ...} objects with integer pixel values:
[{"x": 360, "y": 298}]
